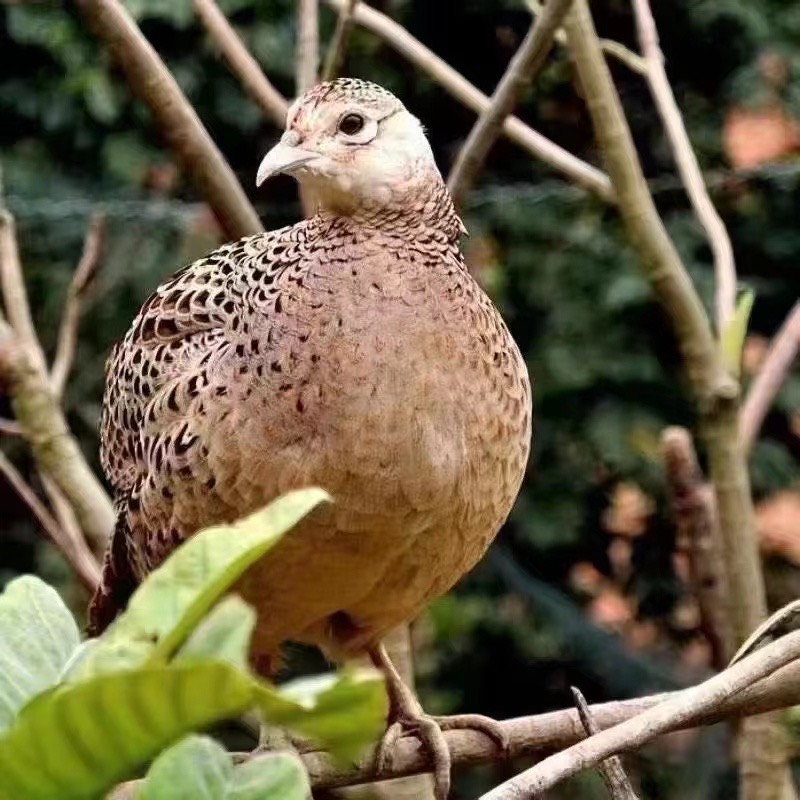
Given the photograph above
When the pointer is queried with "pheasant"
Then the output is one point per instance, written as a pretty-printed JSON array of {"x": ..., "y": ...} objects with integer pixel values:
[{"x": 351, "y": 351}]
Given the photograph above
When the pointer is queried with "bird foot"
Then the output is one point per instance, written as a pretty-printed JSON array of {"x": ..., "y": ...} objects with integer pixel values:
[
  {"x": 406, "y": 716},
  {"x": 430, "y": 732}
]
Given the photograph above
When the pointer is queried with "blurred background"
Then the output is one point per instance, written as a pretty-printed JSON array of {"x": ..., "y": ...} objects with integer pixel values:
[{"x": 586, "y": 585}]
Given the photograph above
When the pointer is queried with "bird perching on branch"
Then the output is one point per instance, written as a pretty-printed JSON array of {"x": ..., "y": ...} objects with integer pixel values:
[{"x": 351, "y": 351}]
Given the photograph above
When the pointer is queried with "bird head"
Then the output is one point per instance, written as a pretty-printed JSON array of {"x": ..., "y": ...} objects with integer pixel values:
[{"x": 352, "y": 145}]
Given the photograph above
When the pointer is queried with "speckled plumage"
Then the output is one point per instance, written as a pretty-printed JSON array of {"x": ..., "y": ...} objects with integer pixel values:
[{"x": 353, "y": 352}]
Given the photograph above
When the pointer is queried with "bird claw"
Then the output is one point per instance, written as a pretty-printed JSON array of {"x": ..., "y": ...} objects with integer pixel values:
[
  {"x": 429, "y": 733},
  {"x": 429, "y": 730}
]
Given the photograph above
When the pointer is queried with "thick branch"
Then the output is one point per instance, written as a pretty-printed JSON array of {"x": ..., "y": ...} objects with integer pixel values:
[
  {"x": 692, "y": 176},
  {"x": 779, "y": 359},
  {"x": 307, "y": 45},
  {"x": 72, "y": 547},
  {"x": 241, "y": 63},
  {"x": 682, "y": 709},
  {"x": 577, "y": 171},
  {"x": 539, "y": 735},
  {"x": 657, "y": 253},
  {"x": 81, "y": 280},
  {"x": 715, "y": 391},
  {"x": 24, "y": 371},
  {"x": 337, "y": 49},
  {"x": 152, "y": 82},
  {"x": 56, "y": 452},
  {"x": 527, "y": 61}
]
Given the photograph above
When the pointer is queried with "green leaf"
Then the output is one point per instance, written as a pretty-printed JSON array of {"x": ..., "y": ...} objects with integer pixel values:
[
  {"x": 274, "y": 776},
  {"x": 224, "y": 634},
  {"x": 78, "y": 740},
  {"x": 172, "y": 600},
  {"x": 37, "y": 638},
  {"x": 732, "y": 339},
  {"x": 344, "y": 712},
  {"x": 197, "y": 768}
]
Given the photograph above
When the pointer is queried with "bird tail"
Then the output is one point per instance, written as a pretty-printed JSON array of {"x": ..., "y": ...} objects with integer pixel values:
[{"x": 117, "y": 582}]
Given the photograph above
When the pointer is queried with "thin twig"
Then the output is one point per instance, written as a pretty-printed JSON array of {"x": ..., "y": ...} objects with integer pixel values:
[
  {"x": 695, "y": 515},
  {"x": 614, "y": 777},
  {"x": 337, "y": 49},
  {"x": 307, "y": 58},
  {"x": 14, "y": 294},
  {"x": 777, "y": 363},
  {"x": 524, "y": 66},
  {"x": 9, "y": 427},
  {"x": 74, "y": 549},
  {"x": 153, "y": 83},
  {"x": 686, "y": 160},
  {"x": 539, "y": 735},
  {"x": 576, "y": 170},
  {"x": 81, "y": 280},
  {"x": 633, "y": 61},
  {"x": 682, "y": 709},
  {"x": 240, "y": 62}
]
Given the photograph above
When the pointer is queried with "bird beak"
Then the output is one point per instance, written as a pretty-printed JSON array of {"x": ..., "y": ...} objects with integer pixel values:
[{"x": 282, "y": 158}]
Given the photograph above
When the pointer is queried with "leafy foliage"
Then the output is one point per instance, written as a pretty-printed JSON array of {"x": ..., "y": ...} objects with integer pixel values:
[
  {"x": 197, "y": 768},
  {"x": 38, "y": 636},
  {"x": 84, "y": 717}
]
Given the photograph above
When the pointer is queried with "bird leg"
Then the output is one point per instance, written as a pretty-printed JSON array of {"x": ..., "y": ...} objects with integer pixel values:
[{"x": 406, "y": 715}]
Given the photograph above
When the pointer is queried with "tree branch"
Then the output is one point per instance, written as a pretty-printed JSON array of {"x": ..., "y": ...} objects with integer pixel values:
[
  {"x": 10, "y": 428},
  {"x": 14, "y": 294},
  {"x": 36, "y": 409},
  {"x": 152, "y": 83},
  {"x": 657, "y": 253},
  {"x": 241, "y": 63},
  {"x": 697, "y": 526},
  {"x": 337, "y": 49},
  {"x": 307, "y": 45},
  {"x": 715, "y": 391},
  {"x": 689, "y": 169},
  {"x": 614, "y": 777},
  {"x": 577, "y": 171},
  {"x": 779, "y": 359},
  {"x": 539, "y": 735},
  {"x": 633, "y": 61},
  {"x": 81, "y": 280},
  {"x": 524, "y": 66},
  {"x": 682, "y": 709},
  {"x": 72, "y": 547}
]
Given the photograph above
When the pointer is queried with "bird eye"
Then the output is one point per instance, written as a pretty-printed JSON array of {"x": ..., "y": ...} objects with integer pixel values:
[{"x": 351, "y": 124}]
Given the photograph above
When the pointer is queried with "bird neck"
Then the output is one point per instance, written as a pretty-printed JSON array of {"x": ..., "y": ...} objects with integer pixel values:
[{"x": 423, "y": 204}]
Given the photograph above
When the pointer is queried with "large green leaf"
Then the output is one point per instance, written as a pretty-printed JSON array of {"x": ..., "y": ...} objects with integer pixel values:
[
  {"x": 198, "y": 768},
  {"x": 343, "y": 711},
  {"x": 224, "y": 634},
  {"x": 172, "y": 600},
  {"x": 37, "y": 638},
  {"x": 76, "y": 741},
  {"x": 275, "y": 776}
]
